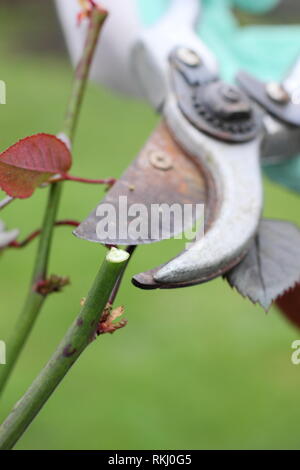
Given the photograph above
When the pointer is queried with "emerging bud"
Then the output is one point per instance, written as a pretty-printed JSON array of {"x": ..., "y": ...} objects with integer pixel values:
[
  {"x": 87, "y": 8},
  {"x": 107, "y": 323},
  {"x": 52, "y": 285}
]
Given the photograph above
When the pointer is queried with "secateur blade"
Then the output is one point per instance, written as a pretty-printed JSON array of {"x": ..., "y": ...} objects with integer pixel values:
[
  {"x": 191, "y": 159},
  {"x": 162, "y": 174},
  {"x": 220, "y": 127}
]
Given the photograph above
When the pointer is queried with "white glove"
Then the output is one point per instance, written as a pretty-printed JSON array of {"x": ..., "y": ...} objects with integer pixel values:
[
  {"x": 114, "y": 66},
  {"x": 111, "y": 65}
]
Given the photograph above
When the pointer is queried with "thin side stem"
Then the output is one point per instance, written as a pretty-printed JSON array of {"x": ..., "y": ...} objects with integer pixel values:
[
  {"x": 36, "y": 233},
  {"x": 6, "y": 201},
  {"x": 79, "y": 336},
  {"x": 76, "y": 179},
  {"x": 34, "y": 300}
]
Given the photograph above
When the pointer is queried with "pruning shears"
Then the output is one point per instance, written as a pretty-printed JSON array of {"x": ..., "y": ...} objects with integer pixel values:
[{"x": 209, "y": 148}]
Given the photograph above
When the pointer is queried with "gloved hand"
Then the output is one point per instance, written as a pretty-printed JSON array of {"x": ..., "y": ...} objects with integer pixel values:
[
  {"x": 265, "y": 51},
  {"x": 111, "y": 61},
  {"x": 255, "y": 6}
]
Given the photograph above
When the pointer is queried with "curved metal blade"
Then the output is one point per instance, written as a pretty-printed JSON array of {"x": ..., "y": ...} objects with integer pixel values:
[
  {"x": 237, "y": 175},
  {"x": 162, "y": 174}
]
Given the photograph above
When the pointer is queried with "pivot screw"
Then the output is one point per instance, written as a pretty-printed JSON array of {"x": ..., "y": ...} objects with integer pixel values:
[
  {"x": 160, "y": 160},
  {"x": 277, "y": 93},
  {"x": 188, "y": 57},
  {"x": 230, "y": 94}
]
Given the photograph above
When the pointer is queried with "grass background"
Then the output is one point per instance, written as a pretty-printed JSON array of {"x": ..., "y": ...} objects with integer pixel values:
[{"x": 196, "y": 368}]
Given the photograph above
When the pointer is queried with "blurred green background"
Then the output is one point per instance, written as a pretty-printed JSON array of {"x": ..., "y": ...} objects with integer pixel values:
[{"x": 197, "y": 368}]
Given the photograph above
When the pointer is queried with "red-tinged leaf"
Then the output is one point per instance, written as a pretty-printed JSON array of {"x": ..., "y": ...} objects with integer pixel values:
[
  {"x": 30, "y": 162},
  {"x": 289, "y": 304},
  {"x": 20, "y": 183}
]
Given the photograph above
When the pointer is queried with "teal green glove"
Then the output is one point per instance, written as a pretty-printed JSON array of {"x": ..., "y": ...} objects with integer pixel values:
[
  {"x": 286, "y": 174},
  {"x": 265, "y": 51},
  {"x": 250, "y": 47},
  {"x": 255, "y": 6}
]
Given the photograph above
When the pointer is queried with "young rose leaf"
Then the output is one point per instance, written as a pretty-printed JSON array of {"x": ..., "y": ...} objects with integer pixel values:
[
  {"x": 30, "y": 162},
  {"x": 272, "y": 265}
]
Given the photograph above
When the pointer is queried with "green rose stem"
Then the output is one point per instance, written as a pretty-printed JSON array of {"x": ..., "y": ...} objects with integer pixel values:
[
  {"x": 35, "y": 300},
  {"x": 79, "y": 336}
]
